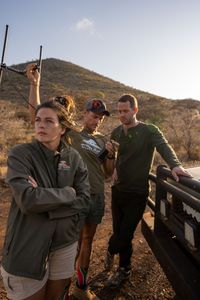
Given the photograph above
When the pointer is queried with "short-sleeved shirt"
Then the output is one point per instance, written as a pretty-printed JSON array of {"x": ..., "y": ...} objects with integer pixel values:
[{"x": 89, "y": 147}]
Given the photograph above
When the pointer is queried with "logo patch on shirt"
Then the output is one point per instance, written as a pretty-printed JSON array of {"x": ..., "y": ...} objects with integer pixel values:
[
  {"x": 63, "y": 165},
  {"x": 90, "y": 145}
]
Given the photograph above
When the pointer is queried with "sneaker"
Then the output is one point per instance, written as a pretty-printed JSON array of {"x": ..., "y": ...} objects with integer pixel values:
[
  {"x": 81, "y": 294},
  {"x": 109, "y": 261},
  {"x": 118, "y": 277}
]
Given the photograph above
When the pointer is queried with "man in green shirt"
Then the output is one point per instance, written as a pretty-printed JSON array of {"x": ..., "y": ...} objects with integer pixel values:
[{"x": 137, "y": 142}]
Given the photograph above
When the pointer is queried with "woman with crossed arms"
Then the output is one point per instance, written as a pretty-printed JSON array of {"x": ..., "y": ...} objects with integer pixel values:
[{"x": 50, "y": 190}]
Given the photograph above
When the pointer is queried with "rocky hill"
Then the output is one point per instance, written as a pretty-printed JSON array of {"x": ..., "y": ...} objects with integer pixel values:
[{"x": 61, "y": 77}]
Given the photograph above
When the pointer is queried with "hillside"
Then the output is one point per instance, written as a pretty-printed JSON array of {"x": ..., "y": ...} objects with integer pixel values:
[
  {"x": 177, "y": 119},
  {"x": 61, "y": 77}
]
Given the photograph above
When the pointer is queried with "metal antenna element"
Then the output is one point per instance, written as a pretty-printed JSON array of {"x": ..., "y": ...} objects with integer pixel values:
[
  {"x": 3, "y": 52},
  {"x": 21, "y": 72},
  {"x": 39, "y": 65}
]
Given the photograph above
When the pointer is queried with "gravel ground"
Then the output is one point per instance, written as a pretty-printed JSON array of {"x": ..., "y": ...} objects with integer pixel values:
[{"x": 147, "y": 280}]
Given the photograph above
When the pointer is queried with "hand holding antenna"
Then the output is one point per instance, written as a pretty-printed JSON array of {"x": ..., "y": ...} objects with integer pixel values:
[{"x": 32, "y": 72}]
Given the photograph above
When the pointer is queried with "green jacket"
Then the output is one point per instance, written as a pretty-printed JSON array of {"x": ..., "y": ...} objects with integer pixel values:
[
  {"x": 48, "y": 217},
  {"x": 135, "y": 155}
]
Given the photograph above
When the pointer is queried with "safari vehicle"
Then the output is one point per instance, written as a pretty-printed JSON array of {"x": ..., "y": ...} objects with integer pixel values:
[{"x": 171, "y": 227}]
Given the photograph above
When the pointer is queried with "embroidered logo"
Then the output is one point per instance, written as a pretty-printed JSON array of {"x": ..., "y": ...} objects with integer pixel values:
[{"x": 63, "y": 165}]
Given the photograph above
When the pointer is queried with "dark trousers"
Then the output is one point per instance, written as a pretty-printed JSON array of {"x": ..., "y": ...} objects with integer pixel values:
[{"x": 127, "y": 211}]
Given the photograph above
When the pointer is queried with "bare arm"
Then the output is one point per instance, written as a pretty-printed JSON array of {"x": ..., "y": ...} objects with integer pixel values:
[
  {"x": 34, "y": 92},
  {"x": 109, "y": 163}
]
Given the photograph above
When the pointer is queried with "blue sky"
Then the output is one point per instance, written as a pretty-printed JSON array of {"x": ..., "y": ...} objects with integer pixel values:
[{"x": 152, "y": 45}]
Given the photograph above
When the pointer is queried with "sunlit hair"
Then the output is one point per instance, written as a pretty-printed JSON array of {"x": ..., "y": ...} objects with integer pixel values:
[
  {"x": 129, "y": 98},
  {"x": 66, "y": 101},
  {"x": 64, "y": 113}
]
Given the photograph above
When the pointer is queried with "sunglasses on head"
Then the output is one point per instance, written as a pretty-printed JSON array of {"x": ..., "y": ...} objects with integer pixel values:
[{"x": 61, "y": 100}]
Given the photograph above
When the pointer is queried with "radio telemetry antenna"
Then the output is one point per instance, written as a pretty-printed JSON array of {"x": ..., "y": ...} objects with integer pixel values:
[{"x": 21, "y": 72}]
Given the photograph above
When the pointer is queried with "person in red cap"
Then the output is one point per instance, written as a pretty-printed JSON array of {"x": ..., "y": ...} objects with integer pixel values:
[{"x": 99, "y": 156}]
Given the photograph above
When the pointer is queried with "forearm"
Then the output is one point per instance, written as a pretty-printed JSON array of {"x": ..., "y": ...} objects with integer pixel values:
[
  {"x": 81, "y": 203},
  {"x": 33, "y": 199},
  {"x": 34, "y": 93},
  {"x": 109, "y": 163},
  {"x": 109, "y": 166},
  {"x": 34, "y": 99},
  {"x": 39, "y": 200},
  {"x": 169, "y": 155},
  {"x": 159, "y": 141}
]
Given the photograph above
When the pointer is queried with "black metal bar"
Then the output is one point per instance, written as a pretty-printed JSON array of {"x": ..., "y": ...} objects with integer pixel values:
[
  {"x": 40, "y": 60},
  {"x": 180, "y": 262},
  {"x": 153, "y": 177},
  {"x": 187, "y": 181},
  {"x": 160, "y": 192},
  {"x": 4, "y": 66},
  {"x": 3, "y": 52},
  {"x": 21, "y": 72},
  {"x": 151, "y": 203},
  {"x": 177, "y": 265},
  {"x": 184, "y": 196}
]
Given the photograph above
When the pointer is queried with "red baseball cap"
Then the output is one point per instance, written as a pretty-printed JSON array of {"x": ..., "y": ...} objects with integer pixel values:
[{"x": 97, "y": 106}]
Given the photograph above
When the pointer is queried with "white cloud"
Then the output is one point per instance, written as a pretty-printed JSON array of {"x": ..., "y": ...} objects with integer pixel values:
[{"x": 85, "y": 25}]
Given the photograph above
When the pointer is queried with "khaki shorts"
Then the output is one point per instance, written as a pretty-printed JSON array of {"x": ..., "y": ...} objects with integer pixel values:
[
  {"x": 96, "y": 212},
  {"x": 59, "y": 266}
]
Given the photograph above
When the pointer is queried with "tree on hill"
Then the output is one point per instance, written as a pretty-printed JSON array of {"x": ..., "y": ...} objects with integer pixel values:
[{"x": 184, "y": 132}]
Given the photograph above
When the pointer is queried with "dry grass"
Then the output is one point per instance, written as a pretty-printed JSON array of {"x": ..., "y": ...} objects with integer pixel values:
[{"x": 14, "y": 129}]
